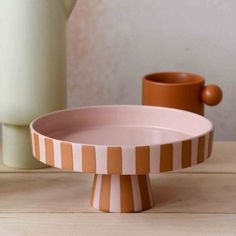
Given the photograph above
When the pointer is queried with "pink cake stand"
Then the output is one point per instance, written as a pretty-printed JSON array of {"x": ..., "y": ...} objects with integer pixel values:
[{"x": 121, "y": 145}]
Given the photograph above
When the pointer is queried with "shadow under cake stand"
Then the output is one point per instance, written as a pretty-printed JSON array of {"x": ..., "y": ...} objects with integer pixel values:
[{"x": 121, "y": 145}]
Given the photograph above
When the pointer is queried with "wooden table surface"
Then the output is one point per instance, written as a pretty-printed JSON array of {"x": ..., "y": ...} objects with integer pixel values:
[{"x": 196, "y": 201}]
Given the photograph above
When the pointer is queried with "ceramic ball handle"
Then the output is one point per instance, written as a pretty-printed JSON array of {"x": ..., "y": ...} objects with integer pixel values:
[{"x": 212, "y": 95}]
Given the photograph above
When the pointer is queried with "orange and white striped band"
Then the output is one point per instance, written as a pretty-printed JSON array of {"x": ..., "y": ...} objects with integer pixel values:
[
  {"x": 121, "y": 193},
  {"x": 124, "y": 160}
]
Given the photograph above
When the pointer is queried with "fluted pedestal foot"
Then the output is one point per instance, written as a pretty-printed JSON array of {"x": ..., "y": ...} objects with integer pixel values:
[{"x": 121, "y": 193}]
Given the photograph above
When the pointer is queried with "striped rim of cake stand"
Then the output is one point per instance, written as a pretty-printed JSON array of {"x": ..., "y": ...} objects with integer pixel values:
[{"x": 121, "y": 160}]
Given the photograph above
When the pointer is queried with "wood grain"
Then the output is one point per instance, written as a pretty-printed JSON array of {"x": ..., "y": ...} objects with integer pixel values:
[{"x": 116, "y": 224}]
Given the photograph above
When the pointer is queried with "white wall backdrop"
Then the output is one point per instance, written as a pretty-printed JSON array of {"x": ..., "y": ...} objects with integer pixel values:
[{"x": 113, "y": 43}]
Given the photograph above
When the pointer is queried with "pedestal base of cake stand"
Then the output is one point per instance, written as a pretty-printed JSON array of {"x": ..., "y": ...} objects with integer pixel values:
[{"x": 121, "y": 193}]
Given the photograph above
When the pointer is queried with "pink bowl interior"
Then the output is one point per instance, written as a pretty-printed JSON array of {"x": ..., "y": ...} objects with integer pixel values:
[{"x": 122, "y": 125}]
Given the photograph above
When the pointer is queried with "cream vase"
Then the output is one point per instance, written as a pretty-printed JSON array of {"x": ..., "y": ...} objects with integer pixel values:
[{"x": 32, "y": 70}]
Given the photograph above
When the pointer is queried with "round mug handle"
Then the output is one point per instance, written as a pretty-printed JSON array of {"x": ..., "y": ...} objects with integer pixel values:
[{"x": 212, "y": 95}]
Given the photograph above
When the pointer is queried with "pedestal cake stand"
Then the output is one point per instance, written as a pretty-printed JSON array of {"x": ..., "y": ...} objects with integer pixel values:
[{"x": 121, "y": 145}]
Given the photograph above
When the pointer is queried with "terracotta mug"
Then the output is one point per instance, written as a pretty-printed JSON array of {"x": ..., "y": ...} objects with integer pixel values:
[{"x": 179, "y": 90}]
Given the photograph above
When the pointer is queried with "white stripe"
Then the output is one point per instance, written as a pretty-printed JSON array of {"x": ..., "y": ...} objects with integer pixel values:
[
  {"x": 149, "y": 190},
  {"x": 97, "y": 191},
  {"x": 33, "y": 144},
  {"x": 155, "y": 153},
  {"x": 115, "y": 202},
  {"x": 194, "y": 150},
  {"x": 57, "y": 153},
  {"x": 101, "y": 160},
  {"x": 136, "y": 193},
  {"x": 128, "y": 161},
  {"x": 177, "y": 156},
  {"x": 206, "y": 146},
  {"x": 77, "y": 157},
  {"x": 42, "y": 149}
]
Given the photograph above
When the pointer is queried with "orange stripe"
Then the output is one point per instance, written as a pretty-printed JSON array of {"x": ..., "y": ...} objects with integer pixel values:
[
  {"x": 114, "y": 160},
  {"x": 89, "y": 159},
  {"x": 166, "y": 160},
  {"x": 66, "y": 156},
  {"x": 126, "y": 194},
  {"x": 201, "y": 147},
  {"x": 36, "y": 146},
  {"x": 143, "y": 186},
  {"x": 142, "y": 160},
  {"x": 104, "y": 204},
  {"x": 49, "y": 152},
  {"x": 93, "y": 190},
  {"x": 210, "y": 145},
  {"x": 186, "y": 153}
]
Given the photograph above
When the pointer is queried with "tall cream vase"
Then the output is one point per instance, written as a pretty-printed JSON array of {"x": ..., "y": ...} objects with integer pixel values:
[{"x": 32, "y": 70}]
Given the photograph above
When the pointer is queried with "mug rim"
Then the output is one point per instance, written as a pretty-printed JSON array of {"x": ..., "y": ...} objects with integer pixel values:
[{"x": 193, "y": 78}]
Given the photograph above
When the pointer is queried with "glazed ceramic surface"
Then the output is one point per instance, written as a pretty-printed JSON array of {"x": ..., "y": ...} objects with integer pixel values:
[
  {"x": 179, "y": 90},
  {"x": 121, "y": 145},
  {"x": 32, "y": 71}
]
